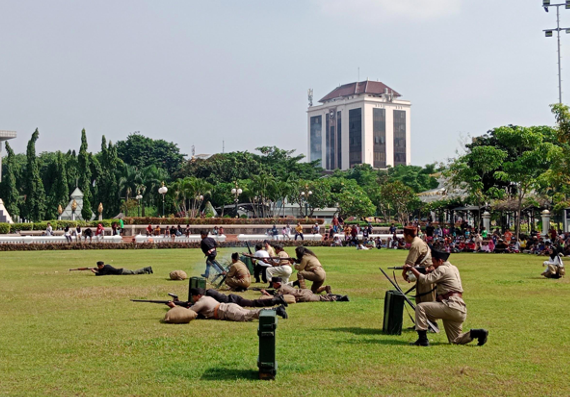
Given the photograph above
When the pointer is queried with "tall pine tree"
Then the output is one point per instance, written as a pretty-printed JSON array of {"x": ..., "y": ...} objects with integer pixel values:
[
  {"x": 85, "y": 177},
  {"x": 11, "y": 194},
  {"x": 35, "y": 205},
  {"x": 59, "y": 194},
  {"x": 108, "y": 186}
]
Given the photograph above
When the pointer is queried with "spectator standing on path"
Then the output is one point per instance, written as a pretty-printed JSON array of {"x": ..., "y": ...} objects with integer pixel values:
[{"x": 299, "y": 231}]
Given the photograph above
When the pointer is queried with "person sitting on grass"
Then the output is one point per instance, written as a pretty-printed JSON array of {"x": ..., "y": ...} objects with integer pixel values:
[
  {"x": 106, "y": 270},
  {"x": 554, "y": 265},
  {"x": 212, "y": 309}
]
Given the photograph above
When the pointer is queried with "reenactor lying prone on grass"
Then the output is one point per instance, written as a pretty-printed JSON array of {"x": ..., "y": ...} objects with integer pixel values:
[
  {"x": 212, "y": 309},
  {"x": 302, "y": 295}
]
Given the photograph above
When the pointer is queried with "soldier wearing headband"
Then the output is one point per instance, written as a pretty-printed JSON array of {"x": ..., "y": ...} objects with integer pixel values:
[
  {"x": 449, "y": 307},
  {"x": 419, "y": 255}
]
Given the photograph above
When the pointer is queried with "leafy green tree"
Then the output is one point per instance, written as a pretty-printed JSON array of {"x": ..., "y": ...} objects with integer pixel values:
[
  {"x": 10, "y": 189},
  {"x": 140, "y": 151},
  {"x": 528, "y": 169},
  {"x": 108, "y": 187},
  {"x": 418, "y": 178},
  {"x": 83, "y": 160},
  {"x": 400, "y": 198},
  {"x": 35, "y": 203}
]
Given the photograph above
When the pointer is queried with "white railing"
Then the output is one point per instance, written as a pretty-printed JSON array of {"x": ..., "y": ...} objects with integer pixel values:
[
  {"x": 193, "y": 238},
  {"x": 55, "y": 239},
  {"x": 280, "y": 237}
]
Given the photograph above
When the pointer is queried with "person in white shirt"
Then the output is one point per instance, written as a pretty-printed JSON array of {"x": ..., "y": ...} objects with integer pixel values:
[
  {"x": 554, "y": 265},
  {"x": 260, "y": 265},
  {"x": 49, "y": 230}
]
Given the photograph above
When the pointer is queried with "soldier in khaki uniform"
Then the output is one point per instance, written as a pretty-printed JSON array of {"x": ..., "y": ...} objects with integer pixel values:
[
  {"x": 419, "y": 255},
  {"x": 302, "y": 295},
  {"x": 449, "y": 307},
  {"x": 212, "y": 309},
  {"x": 308, "y": 267},
  {"x": 238, "y": 277}
]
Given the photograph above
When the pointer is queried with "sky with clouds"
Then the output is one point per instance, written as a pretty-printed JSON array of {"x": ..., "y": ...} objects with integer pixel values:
[{"x": 236, "y": 73}]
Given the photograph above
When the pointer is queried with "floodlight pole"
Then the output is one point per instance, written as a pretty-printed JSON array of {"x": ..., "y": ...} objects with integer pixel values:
[{"x": 545, "y": 5}]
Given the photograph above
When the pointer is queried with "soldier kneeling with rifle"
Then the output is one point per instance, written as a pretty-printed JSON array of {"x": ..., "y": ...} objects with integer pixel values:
[{"x": 449, "y": 307}]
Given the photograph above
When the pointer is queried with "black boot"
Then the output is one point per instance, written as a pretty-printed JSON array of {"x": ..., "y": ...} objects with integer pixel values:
[
  {"x": 296, "y": 284},
  {"x": 281, "y": 300},
  {"x": 479, "y": 334},
  {"x": 281, "y": 312},
  {"x": 343, "y": 299},
  {"x": 422, "y": 339}
]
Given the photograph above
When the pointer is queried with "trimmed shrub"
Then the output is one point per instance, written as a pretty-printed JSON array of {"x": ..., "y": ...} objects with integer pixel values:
[{"x": 4, "y": 228}]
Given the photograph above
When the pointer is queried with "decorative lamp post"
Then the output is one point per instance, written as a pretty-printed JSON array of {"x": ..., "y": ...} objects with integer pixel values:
[
  {"x": 73, "y": 208},
  {"x": 59, "y": 211},
  {"x": 236, "y": 191},
  {"x": 305, "y": 194},
  {"x": 100, "y": 211},
  {"x": 199, "y": 198},
  {"x": 139, "y": 198},
  {"x": 163, "y": 190}
]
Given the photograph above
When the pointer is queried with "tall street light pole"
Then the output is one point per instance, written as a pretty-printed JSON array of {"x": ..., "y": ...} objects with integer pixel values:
[
  {"x": 548, "y": 33},
  {"x": 162, "y": 190}
]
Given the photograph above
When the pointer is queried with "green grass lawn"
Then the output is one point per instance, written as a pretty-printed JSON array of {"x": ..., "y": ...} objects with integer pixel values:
[{"x": 71, "y": 333}]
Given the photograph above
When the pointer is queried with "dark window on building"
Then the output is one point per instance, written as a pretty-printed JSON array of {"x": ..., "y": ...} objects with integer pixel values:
[
  {"x": 316, "y": 139},
  {"x": 338, "y": 140},
  {"x": 328, "y": 144},
  {"x": 399, "y": 137},
  {"x": 379, "y": 136},
  {"x": 355, "y": 136},
  {"x": 331, "y": 140}
]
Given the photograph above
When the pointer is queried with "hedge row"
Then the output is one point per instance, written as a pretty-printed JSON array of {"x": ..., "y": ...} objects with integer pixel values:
[
  {"x": 362, "y": 223},
  {"x": 55, "y": 224},
  {"x": 127, "y": 246},
  {"x": 219, "y": 221}
]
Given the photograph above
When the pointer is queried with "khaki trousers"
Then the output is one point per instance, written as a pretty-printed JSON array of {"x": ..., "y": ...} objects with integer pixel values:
[
  {"x": 236, "y": 283},
  {"x": 317, "y": 276},
  {"x": 279, "y": 271},
  {"x": 452, "y": 321},
  {"x": 233, "y": 312}
]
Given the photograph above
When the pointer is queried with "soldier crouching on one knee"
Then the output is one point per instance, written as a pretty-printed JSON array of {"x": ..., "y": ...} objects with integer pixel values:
[{"x": 449, "y": 307}]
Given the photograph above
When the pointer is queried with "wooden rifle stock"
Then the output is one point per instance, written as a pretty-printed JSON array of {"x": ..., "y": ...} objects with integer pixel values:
[{"x": 81, "y": 268}]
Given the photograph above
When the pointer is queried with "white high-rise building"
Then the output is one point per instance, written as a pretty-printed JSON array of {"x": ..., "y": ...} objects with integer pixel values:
[{"x": 358, "y": 123}]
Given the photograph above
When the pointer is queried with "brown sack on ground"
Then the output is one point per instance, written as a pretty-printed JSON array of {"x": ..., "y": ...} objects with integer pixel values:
[
  {"x": 178, "y": 275},
  {"x": 290, "y": 299},
  {"x": 180, "y": 315}
]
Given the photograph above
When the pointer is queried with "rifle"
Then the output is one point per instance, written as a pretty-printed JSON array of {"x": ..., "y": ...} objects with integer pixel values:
[
  {"x": 431, "y": 325},
  {"x": 177, "y": 303},
  {"x": 82, "y": 268},
  {"x": 277, "y": 258},
  {"x": 421, "y": 269}
]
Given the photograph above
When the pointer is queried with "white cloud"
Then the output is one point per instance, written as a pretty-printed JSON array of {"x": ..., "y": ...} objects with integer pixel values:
[{"x": 389, "y": 9}]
